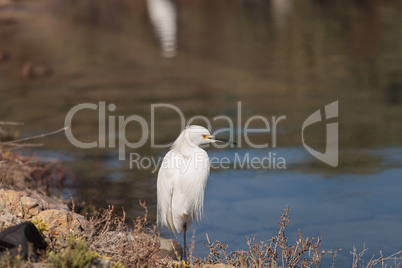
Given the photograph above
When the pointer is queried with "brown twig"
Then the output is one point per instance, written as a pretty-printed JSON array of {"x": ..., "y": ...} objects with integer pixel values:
[
  {"x": 276, "y": 252},
  {"x": 9, "y": 123},
  {"x": 20, "y": 145},
  {"x": 35, "y": 137}
]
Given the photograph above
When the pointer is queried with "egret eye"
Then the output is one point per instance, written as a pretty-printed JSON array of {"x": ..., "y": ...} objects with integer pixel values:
[{"x": 206, "y": 136}]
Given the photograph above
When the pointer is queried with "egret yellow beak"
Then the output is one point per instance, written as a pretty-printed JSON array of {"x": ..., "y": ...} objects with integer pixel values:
[{"x": 209, "y": 137}]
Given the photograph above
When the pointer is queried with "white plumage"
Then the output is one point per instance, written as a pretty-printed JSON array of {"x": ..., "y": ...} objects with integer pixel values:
[{"x": 182, "y": 179}]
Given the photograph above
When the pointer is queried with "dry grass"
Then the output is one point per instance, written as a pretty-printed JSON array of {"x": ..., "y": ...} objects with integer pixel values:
[
  {"x": 393, "y": 260},
  {"x": 276, "y": 252},
  {"x": 135, "y": 246},
  {"x": 28, "y": 172},
  {"x": 111, "y": 239}
]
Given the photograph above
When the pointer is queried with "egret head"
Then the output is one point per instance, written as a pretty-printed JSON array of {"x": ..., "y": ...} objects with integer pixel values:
[{"x": 197, "y": 135}]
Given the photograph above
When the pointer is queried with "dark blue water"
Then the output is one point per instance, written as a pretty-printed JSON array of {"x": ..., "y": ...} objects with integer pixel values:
[{"x": 347, "y": 209}]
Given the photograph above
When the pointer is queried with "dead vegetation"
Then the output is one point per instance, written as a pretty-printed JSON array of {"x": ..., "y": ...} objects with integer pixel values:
[
  {"x": 136, "y": 246},
  {"x": 125, "y": 245},
  {"x": 393, "y": 260},
  {"x": 276, "y": 252},
  {"x": 27, "y": 171},
  {"x": 111, "y": 238},
  {"x": 30, "y": 172},
  {"x": 111, "y": 241}
]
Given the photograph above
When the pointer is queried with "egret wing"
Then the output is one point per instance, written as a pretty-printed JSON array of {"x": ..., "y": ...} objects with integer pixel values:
[{"x": 165, "y": 194}]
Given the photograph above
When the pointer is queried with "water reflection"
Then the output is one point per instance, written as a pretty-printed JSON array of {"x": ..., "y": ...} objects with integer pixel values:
[{"x": 163, "y": 15}]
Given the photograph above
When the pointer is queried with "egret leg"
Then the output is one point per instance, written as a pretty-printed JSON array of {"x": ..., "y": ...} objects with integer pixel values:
[{"x": 184, "y": 242}]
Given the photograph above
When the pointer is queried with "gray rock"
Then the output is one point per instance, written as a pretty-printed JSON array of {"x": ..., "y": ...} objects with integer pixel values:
[
  {"x": 170, "y": 248},
  {"x": 101, "y": 263},
  {"x": 7, "y": 219}
]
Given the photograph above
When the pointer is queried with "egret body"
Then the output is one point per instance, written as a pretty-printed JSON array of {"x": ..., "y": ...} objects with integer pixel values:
[{"x": 182, "y": 179}]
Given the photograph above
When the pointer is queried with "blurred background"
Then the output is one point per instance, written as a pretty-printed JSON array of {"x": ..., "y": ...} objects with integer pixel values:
[{"x": 276, "y": 57}]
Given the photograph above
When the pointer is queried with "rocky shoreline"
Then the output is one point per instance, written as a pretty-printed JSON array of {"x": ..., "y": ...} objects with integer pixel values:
[
  {"x": 27, "y": 205},
  {"x": 55, "y": 219},
  {"x": 57, "y": 222}
]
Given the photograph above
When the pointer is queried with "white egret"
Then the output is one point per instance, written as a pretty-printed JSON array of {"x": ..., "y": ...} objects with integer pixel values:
[{"x": 182, "y": 179}]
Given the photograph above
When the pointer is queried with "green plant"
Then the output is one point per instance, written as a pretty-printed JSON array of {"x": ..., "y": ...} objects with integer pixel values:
[
  {"x": 40, "y": 224},
  {"x": 8, "y": 261},
  {"x": 118, "y": 264},
  {"x": 76, "y": 254}
]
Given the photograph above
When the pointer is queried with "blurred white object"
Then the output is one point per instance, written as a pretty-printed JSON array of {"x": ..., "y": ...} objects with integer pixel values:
[
  {"x": 163, "y": 16},
  {"x": 280, "y": 11}
]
